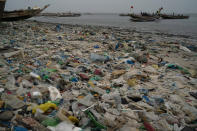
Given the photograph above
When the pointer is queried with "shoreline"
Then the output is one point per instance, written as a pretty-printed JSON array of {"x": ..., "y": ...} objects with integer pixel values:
[
  {"x": 191, "y": 40},
  {"x": 123, "y": 28},
  {"x": 161, "y": 26}
]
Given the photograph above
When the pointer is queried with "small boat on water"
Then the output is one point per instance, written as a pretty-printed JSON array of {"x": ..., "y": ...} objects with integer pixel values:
[
  {"x": 21, "y": 14},
  {"x": 157, "y": 16},
  {"x": 135, "y": 16},
  {"x": 143, "y": 19},
  {"x": 146, "y": 17},
  {"x": 165, "y": 16},
  {"x": 142, "y": 14},
  {"x": 140, "y": 18},
  {"x": 124, "y": 14}
]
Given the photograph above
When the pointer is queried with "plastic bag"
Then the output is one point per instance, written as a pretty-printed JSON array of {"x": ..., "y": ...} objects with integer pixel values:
[{"x": 54, "y": 93}]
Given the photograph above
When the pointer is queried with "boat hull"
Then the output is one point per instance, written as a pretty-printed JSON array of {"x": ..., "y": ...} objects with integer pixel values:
[
  {"x": 16, "y": 18},
  {"x": 2, "y": 6},
  {"x": 20, "y": 14},
  {"x": 142, "y": 20},
  {"x": 139, "y": 18},
  {"x": 125, "y": 14},
  {"x": 174, "y": 16},
  {"x": 135, "y": 16}
]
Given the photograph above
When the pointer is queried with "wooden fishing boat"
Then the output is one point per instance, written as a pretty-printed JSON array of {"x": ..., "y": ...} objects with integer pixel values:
[
  {"x": 157, "y": 16},
  {"x": 2, "y": 6},
  {"x": 140, "y": 18},
  {"x": 165, "y": 16},
  {"x": 143, "y": 19},
  {"x": 124, "y": 14},
  {"x": 21, "y": 14},
  {"x": 135, "y": 16},
  {"x": 144, "y": 16}
]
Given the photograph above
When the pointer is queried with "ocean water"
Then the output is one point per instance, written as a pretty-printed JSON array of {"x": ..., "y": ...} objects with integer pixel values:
[{"x": 186, "y": 27}]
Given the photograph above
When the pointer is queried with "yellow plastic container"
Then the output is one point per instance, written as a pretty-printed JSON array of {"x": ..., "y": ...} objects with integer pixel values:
[{"x": 45, "y": 107}]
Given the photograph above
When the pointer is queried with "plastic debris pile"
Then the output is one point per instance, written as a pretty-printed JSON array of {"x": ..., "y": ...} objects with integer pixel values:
[{"x": 74, "y": 78}]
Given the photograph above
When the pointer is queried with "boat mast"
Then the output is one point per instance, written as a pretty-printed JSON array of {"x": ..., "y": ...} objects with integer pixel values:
[{"x": 131, "y": 8}]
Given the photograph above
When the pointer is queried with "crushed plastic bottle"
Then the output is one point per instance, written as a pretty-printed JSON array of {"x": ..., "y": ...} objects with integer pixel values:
[
  {"x": 34, "y": 75},
  {"x": 10, "y": 85},
  {"x": 51, "y": 122},
  {"x": 100, "y": 58}
]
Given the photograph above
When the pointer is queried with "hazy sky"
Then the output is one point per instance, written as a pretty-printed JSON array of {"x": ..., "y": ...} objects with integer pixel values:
[{"x": 107, "y": 6}]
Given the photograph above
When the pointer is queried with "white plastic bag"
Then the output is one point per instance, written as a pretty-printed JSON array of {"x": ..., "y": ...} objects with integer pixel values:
[{"x": 54, "y": 93}]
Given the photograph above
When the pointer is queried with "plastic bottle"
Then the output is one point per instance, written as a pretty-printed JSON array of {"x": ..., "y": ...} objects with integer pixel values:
[
  {"x": 18, "y": 128},
  {"x": 143, "y": 91},
  {"x": 51, "y": 121},
  {"x": 148, "y": 100},
  {"x": 130, "y": 62},
  {"x": 34, "y": 75},
  {"x": 117, "y": 99},
  {"x": 117, "y": 46},
  {"x": 58, "y": 28},
  {"x": 10, "y": 85},
  {"x": 87, "y": 100},
  {"x": 39, "y": 116},
  {"x": 96, "y": 57},
  {"x": 96, "y": 123}
]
